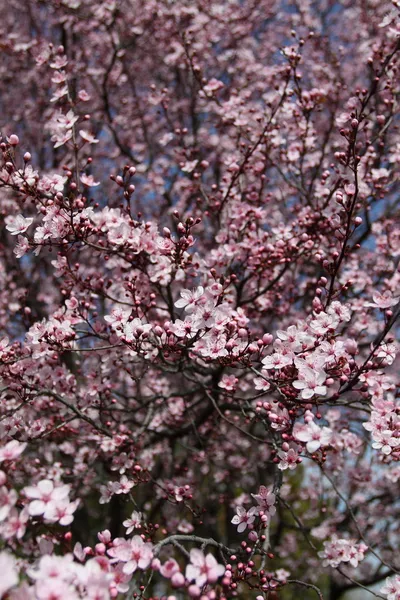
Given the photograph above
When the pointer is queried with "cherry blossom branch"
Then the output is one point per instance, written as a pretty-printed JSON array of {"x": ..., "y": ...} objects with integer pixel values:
[
  {"x": 74, "y": 409},
  {"x": 353, "y": 517},
  {"x": 359, "y": 584},
  {"x": 307, "y": 585},
  {"x": 204, "y": 542}
]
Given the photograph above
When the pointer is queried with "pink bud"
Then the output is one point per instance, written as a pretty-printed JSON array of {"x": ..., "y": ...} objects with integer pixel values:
[
  {"x": 177, "y": 580},
  {"x": 100, "y": 548},
  {"x": 194, "y": 591},
  {"x": 350, "y": 189},
  {"x": 155, "y": 564},
  {"x": 351, "y": 346},
  {"x": 267, "y": 339},
  {"x": 14, "y": 140},
  {"x": 104, "y": 536},
  {"x": 230, "y": 344}
]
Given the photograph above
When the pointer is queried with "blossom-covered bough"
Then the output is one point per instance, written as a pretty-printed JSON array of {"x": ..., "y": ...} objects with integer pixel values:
[{"x": 200, "y": 299}]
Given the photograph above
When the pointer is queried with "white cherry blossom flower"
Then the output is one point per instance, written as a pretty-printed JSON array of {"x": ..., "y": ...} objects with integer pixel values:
[
  {"x": 310, "y": 382},
  {"x": 12, "y": 450},
  {"x": 203, "y": 569},
  {"x": 118, "y": 316},
  {"x": 392, "y": 588},
  {"x": 244, "y": 518},
  {"x": 135, "y": 553},
  {"x": 287, "y": 460},
  {"x": 17, "y": 225},
  {"x": 265, "y": 500},
  {"x": 312, "y": 435},
  {"x": 21, "y": 247},
  {"x": 190, "y": 299},
  {"x": 45, "y": 495},
  {"x": 276, "y": 361},
  {"x": 385, "y": 441},
  {"x": 384, "y": 300},
  {"x": 339, "y": 550},
  {"x": 88, "y": 180},
  {"x": 134, "y": 522},
  {"x": 9, "y": 572},
  {"x": 88, "y": 137}
]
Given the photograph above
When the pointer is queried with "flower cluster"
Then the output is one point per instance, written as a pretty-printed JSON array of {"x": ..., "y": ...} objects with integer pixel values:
[{"x": 338, "y": 550}]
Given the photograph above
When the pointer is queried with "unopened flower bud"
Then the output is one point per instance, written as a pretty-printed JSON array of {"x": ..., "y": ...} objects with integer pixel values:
[
  {"x": 194, "y": 591},
  {"x": 177, "y": 580},
  {"x": 351, "y": 346},
  {"x": 267, "y": 339},
  {"x": 14, "y": 140},
  {"x": 100, "y": 548},
  {"x": 253, "y": 537}
]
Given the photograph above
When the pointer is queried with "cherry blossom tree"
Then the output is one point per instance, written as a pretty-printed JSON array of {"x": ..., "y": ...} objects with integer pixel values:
[{"x": 200, "y": 299}]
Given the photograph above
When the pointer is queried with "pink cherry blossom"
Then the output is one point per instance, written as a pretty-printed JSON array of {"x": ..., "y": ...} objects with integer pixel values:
[
  {"x": 338, "y": 550},
  {"x": 228, "y": 383},
  {"x": 190, "y": 299},
  {"x": 202, "y": 568},
  {"x": 134, "y": 522},
  {"x": 312, "y": 435},
  {"x": 11, "y": 450},
  {"x": 276, "y": 361},
  {"x": 169, "y": 568},
  {"x": 135, "y": 553},
  {"x": 61, "y": 512},
  {"x": 391, "y": 588},
  {"x": 88, "y": 137},
  {"x": 89, "y": 181},
  {"x": 8, "y": 499},
  {"x": 265, "y": 500},
  {"x": 21, "y": 247},
  {"x": 19, "y": 224},
  {"x": 244, "y": 518},
  {"x": 287, "y": 460},
  {"x": 8, "y": 568},
  {"x": 45, "y": 496},
  {"x": 385, "y": 300}
]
